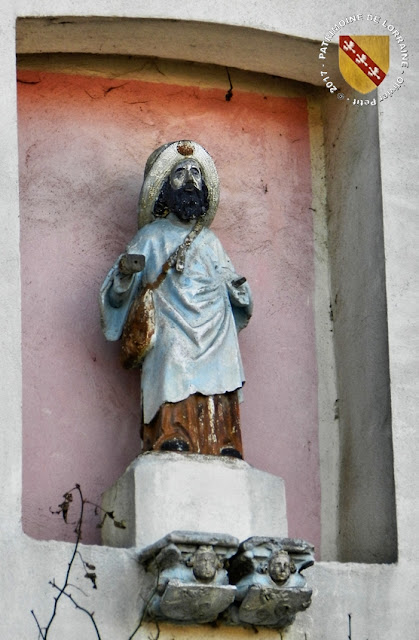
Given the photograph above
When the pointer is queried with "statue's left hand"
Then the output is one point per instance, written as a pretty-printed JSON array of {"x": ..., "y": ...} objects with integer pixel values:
[{"x": 239, "y": 292}]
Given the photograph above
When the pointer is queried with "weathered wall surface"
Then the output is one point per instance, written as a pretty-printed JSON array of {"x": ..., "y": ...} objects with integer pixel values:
[{"x": 378, "y": 597}]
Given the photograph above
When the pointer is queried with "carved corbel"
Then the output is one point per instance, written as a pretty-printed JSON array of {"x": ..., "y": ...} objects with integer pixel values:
[
  {"x": 271, "y": 589},
  {"x": 191, "y": 576}
]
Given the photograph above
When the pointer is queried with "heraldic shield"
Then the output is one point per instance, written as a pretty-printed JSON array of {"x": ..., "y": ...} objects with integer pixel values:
[{"x": 364, "y": 61}]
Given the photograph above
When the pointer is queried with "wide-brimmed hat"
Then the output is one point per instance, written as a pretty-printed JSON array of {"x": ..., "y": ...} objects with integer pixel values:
[{"x": 158, "y": 168}]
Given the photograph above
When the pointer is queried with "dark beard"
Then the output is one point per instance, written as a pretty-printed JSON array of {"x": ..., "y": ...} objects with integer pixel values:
[{"x": 185, "y": 204}]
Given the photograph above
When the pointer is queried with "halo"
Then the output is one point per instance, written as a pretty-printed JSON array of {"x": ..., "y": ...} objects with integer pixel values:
[{"x": 158, "y": 167}]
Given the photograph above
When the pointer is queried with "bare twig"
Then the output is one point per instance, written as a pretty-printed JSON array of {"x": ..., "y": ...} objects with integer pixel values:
[
  {"x": 156, "y": 622},
  {"x": 144, "y": 612},
  {"x": 119, "y": 524},
  {"x": 78, "y": 606},
  {"x": 70, "y": 564},
  {"x": 89, "y": 568},
  {"x": 74, "y": 586},
  {"x": 64, "y": 509},
  {"x": 41, "y": 633}
]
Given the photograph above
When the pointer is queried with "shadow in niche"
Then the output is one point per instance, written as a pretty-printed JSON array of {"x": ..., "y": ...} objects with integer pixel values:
[{"x": 367, "y": 508}]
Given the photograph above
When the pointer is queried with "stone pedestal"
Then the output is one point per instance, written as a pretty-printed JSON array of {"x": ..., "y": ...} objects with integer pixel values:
[{"x": 163, "y": 492}]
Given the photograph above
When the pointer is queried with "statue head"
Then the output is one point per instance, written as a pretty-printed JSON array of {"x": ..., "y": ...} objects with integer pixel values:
[
  {"x": 184, "y": 192},
  {"x": 180, "y": 177},
  {"x": 279, "y": 566},
  {"x": 205, "y": 564}
]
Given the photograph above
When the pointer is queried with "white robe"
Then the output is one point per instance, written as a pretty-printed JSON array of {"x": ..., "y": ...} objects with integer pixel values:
[{"x": 198, "y": 313}]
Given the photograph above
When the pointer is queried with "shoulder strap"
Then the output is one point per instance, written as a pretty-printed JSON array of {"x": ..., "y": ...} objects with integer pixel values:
[{"x": 177, "y": 258}]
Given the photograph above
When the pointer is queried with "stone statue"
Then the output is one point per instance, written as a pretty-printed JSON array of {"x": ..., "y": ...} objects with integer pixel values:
[{"x": 178, "y": 304}]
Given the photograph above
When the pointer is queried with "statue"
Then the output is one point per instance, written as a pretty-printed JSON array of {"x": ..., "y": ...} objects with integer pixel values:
[{"x": 178, "y": 305}]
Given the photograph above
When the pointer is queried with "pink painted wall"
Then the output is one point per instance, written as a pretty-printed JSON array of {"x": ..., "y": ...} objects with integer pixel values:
[{"x": 82, "y": 152}]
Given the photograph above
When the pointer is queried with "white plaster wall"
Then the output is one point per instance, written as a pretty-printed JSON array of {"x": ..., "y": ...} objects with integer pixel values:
[{"x": 380, "y": 598}]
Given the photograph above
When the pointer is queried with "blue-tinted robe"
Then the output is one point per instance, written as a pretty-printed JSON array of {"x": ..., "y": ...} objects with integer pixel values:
[{"x": 197, "y": 315}]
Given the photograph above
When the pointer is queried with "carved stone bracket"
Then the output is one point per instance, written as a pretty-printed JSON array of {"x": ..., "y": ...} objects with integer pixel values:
[
  {"x": 271, "y": 589},
  {"x": 192, "y": 583},
  {"x": 201, "y": 577}
]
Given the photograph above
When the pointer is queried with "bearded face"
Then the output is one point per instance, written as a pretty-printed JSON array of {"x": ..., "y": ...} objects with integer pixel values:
[
  {"x": 184, "y": 193},
  {"x": 187, "y": 204}
]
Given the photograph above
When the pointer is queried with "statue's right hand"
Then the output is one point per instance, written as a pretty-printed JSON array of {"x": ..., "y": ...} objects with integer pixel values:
[
  {"x": 238, "y": 283},
  {"x": 131, "y": 263}
]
